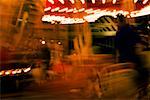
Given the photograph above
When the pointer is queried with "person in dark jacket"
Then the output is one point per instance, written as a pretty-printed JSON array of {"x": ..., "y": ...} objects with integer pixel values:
[
  {"x": 45, "y": 54},
  {"x": 127, "y": 42}
]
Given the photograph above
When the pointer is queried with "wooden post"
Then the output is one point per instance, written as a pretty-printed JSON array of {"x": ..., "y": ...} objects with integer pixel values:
[{"x": 19, "y": 36}]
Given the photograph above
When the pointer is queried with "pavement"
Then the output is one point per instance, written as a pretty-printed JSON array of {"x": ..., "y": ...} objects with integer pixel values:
[
  {"x": 58, "y": 89},
  {"x": 72, "y": 88}
]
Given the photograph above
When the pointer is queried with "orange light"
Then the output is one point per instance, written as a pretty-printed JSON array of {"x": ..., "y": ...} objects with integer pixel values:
[
  {"x": 8, "y": 72},
  {"x": 2, "y": 73},
  {"x": 135, "y": 1}
]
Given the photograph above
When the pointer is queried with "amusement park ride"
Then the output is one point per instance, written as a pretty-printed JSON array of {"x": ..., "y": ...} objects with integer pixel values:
[{"x": 80, "y": 11}]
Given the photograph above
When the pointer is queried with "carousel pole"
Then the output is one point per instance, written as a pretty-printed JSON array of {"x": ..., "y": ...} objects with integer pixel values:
[{"x": 128, "y": 5}]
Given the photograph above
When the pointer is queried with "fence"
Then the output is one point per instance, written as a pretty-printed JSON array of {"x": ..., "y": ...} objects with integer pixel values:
[{"x": 103, "y": 76}]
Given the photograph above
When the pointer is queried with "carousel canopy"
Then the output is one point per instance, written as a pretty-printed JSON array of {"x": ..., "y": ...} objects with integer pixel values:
[{"x": 80, "y": 11}]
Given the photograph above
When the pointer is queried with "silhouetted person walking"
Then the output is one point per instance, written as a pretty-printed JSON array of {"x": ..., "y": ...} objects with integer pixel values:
[
  {"x": 127, "y": 42},
  {"x": 45, "y": 55},
  {"x": 40, "y": 72}
]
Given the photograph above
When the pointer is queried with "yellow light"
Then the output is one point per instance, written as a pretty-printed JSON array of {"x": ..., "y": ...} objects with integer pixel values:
[
  {"x": 82, "y": 9},
  {"x": 8, "y": 72},
  {"x": 55, "y": 9},
  {"x": 97, "y": 11},
  {"x": 59, "y": 42},
  {"x": 128, "y": 16},
  {"x": 114, "y": 1},
  {"x": 93, "y": 1},
  {"x": 135, "y": 1},
  {"x": 82, "y": 1},
  {"x": 47, "y": 9},
  {"x": 62, "y": 10},
  {"x": 145, "y": 1},
  {"x": 72, "y": 1},
  {"x": 26, "y": 69},
  {"x": 18, "y": 70},
  {"x": 142, "y": 12},
  {"x": 103, "y": 1},
  {"x": 51, "y": 1},
  {"x": 43, "y": 42},
  {"x": 75, "y": 11},
  {"x": 45, "y": 17},
  {"x": 70, "y": 10},
  {"x": 89, "y": 11},
  {"x": 62, "y": 1},
  {"x": 1, "y": 72}
]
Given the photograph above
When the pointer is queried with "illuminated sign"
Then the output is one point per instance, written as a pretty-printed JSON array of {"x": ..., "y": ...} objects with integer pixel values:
[{"x": 80, "y": 11}]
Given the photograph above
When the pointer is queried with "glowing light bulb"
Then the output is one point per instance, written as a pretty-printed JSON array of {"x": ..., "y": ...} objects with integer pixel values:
[
  {"x": 7, "y": 72},
  {"x": 145, "y": 1},
  {"x": 93, "y": 1},
  {"x": 51, "y": 1},
  {"x": 82, "y": 9},
  {"x": 103, "y": 1},
  {"x": 43, "y": 42},
  {"x": 135, "y": 1},
  {"x": 26, "y": 69},
  {"x": 2, "y": 72},
  {"x": 82, "y": 1},
  {"x": 114, "y": 1},
  {"x": 62, "y": 1},
  {"x": 72, "y": 1},
  {"x": 47, "y": 9},
  {"x": 62, "y": 10},
  {"x": 14, "y": 72}
]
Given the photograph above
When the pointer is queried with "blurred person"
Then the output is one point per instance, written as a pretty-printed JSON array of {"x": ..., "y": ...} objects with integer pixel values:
[
  {"x": 128, "y": 48},
  {"x": 40, "y": 69},
  {"x": 45, "y": 56},
  {"x": 51, "y": 74},
  {"x": 37, "y": 72}
]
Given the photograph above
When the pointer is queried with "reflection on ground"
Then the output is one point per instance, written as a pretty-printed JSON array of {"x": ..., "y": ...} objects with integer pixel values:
[{"x": 89, "y": 78}]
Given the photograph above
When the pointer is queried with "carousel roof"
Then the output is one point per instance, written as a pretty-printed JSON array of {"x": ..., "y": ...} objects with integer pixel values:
[{"x": 80, "y": 11}]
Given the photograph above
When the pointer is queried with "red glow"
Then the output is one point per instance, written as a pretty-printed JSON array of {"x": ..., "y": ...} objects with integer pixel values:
[
  {"x": 98, "y": 5},
  {"x": 55, "y": 11}
]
